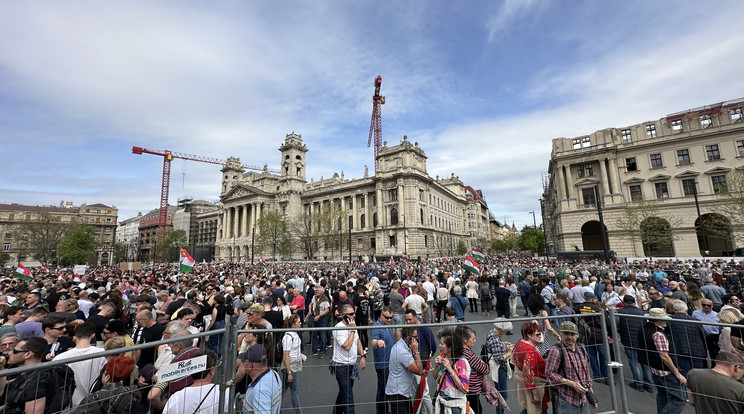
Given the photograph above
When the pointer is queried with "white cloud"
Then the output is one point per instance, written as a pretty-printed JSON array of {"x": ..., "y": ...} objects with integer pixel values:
[{"x": 509, "y": 14}]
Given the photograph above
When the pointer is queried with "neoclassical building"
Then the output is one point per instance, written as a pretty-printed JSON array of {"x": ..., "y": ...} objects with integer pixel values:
[
  {"x": 677, "y": 163},
  {"x": 400, "y": 209}
]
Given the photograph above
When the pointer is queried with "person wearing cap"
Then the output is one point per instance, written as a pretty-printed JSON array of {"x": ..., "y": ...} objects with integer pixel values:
[
  {"x": 498, "y": 352},
  {"x": 592, "y": 335},
  {"x": 717, "y": 390},
  {"x": 628, "y": 329},
  {"x": 255, "y": 315},
  {"x": 567, "y": 367},
  {"x": 654, "y": 351},
  {"x": 264, "y": 392}
]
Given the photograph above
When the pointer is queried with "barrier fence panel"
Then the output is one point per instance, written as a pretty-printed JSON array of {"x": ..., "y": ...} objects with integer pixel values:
[{"x": 619, "y": 380}]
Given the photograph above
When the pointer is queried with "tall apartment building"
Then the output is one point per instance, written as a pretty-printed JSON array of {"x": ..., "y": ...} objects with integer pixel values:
[
  {"x": 99, "y": 216},
  {"x": 400, "y": 209},
  {"x": 678, "y": 163}
]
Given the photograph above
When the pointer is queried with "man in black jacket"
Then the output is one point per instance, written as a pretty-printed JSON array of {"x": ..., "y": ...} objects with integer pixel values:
[
  {"x": 656, "y": 351},
  {"x": 628, "y": 329},
  {"x": 688, "y": 339}
]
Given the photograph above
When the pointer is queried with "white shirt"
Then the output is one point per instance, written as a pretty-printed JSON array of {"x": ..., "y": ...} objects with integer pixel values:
[
  {"x": 415, "y": 302},
  {"x": 340, "y": 355},
  {"x": 187, "y": 399},
  {"x": 430, "y": 289},
  {"x": 85, "y": 371}
]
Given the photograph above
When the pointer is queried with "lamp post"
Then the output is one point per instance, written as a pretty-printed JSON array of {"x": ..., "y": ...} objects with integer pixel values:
[
  {"x": 700, "y": 220},
  {"x": 601, "y": 225},
  {"x": 534, "y": 220}
]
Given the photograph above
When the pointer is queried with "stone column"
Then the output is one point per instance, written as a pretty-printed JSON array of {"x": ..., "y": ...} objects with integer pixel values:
[
  {"x": 401, "y": 203},
  {"x": 613, "y": 176},
  {"x": 569, "y": 182},
  {"x": 605, "y": 180},
  {"x": 560, "y": 183},
  {"x": 365, "y": 211},
  {"x": 235, "y": 222},
  {"x": 244, "y": 221},
  {"x": 355, "y": 212},
  {"x": 224, "y": 223},
  {"x": 380, "y": 212}
]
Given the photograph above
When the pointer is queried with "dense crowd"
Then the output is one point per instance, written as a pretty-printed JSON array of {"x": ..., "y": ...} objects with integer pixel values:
[{"x": 59, "y": 315}]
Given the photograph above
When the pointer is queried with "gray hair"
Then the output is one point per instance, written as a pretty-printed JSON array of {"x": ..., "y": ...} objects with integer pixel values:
[
  {"x": 503, "y": 324},
  {"x": 174, "y": 327},
  {"x": 458, "y": 291},
  {"x": 9, "y": 334},
  {"x": 679, "y": 305},
  {"x": 184, "y": 344}
]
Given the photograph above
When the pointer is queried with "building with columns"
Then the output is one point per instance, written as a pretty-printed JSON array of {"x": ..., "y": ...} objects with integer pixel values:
[
  {"x": 676, "y": 164},
  {"x": 400, "y": 209}
]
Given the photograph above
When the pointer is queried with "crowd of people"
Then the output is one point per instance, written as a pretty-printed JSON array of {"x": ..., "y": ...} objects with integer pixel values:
[{"x": 59, "y": 315}]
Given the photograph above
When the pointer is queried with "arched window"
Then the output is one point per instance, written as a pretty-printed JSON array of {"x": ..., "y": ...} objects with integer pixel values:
[
  {"x": 362, "y": 221},
  {"x": 374, "y": 219},
  {"x": 393, "y": 216}
]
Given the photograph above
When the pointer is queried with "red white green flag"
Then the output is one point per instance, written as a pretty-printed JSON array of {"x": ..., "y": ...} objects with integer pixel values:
[
  {"x": 187, "y": 262},
  {"x": 263, "y": 262},
  {"x": 478, "y": 255},
  {"x": 374, "y": 259},
  {"x": 470, "y": 265},
  {"x": 23, "y": 273},
  {"x": 391, "y": 260}
]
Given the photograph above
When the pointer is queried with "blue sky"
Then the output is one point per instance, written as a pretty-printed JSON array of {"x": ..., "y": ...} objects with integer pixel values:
[{"x": 483, "y": 86}]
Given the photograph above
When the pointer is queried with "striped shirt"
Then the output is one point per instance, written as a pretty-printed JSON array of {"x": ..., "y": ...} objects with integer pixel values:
[{"x": 478, "y": 369}]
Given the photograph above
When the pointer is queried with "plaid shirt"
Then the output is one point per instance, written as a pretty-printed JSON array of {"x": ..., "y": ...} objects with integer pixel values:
[
  {"x": 496, "y": 348},
  {"x": 573, "y": 361},
  {"x": 662, "y": 345}
]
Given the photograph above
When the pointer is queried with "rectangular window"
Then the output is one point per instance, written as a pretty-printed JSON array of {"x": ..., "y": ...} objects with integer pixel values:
[
  {"x": 6, "y": 247},
  {"x": 8, "y": 236},
  {"x": 361, "y": 202},
  {"x": 351, "y": 203},
  {"x": 626, "y": 135},
  {"x": 683, "y": 157},
  {"x": 719, "y": 183},
  {"x": 589, "y": 196},
  {"x": 372, "y": 243},
  {"x": 585, "y": 170},
  {"x": 426, "y": 241},
  {"x": 374, "y": 199},
  {"x": 651, "y": 131},
  {"x": 705, "y": 121},
  {"x": 688, "y": 187},
  {"x": 576, "y": 143},
  {"x": 586, "y": 142},
  {"x": 635, "y": 192},
  {"x": 393, "y": 194},
  {"x": 392, "y": 241},
  {"x": 677, "y": 125},
  {"x": 630, "y": 164},
  {"x": 735, "y": 115},
  {"x": 712, "y": 152},
  {"x": 740, "y": 148},
  {"x": 661, "y": 190},
  {"x": 656, "y": 161}
]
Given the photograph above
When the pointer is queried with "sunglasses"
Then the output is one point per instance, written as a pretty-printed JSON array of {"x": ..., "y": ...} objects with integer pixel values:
[
  {"x": 16, "y": 351},
  {"x": 387, "y": 317},
  {"x": 707, "y": 306},
  {"x": 61, "y": 328}
]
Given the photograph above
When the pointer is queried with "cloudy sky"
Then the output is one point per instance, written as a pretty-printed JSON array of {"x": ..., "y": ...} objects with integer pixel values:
[{"x": 483, "y": 86}]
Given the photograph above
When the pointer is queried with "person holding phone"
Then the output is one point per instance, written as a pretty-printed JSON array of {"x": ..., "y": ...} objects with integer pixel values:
[
  {"x": 346, "y": 347},
  {"x": 405, "y": 363}
]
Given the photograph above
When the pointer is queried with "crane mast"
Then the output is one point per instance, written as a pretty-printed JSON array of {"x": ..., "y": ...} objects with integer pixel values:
[{"x": 375, "y": 126}]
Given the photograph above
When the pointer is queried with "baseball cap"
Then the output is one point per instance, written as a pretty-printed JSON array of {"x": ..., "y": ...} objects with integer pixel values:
[
  {"x": 256, "y": 353},
  {"x": 590, "y": 295},
  {"x": 569, "y": 327},
  {"x": 629, "y": 299}
]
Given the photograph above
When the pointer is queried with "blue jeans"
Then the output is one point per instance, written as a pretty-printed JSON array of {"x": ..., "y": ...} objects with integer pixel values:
[
  {"x": 565, "y": 407},
  {"x": 686, "y": 363},
  {"x": 319, "y": 337},
  {"x": 293, "y": 392},
  {"x": 215, "y": 341},
  {"x": 641, "y": 373},
  {"x": 597, "y": 360},
  {"x": 442, "y": 408},
  {"x": 502, "y": 386},
  {"x": 671, "y": 397},
  {"x": 382, "y": 377},
  {"x": 345, "y": 397}
]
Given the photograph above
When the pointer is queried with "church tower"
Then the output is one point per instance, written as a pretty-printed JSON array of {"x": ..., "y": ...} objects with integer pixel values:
[
  {"x": 232, "y": 174},
  {"x": 292, "y": 181}
]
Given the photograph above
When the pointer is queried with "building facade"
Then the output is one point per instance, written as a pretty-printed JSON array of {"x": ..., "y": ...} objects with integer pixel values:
[
  {"x": 399, "y": 210},
  {"x": 147, "y": 238},
  {"x": 656, "y": 183},
  {"x": 101, "y": 217}
]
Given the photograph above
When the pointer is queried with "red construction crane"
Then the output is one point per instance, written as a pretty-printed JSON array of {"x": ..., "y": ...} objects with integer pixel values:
[
  {"x": 375, "y": 127},
  {"x": 165, "y": 186}
]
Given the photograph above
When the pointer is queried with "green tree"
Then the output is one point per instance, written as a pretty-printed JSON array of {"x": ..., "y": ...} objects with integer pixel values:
[
  {"x": 4, "y": 258},
  {"x": 333, "y": 227},
  {"x": 507, "y": 244},
  {"x": 77, "y": 246},
  {"x": 532, "y": 239},
  {"x": 120, "y": 253},
  {"x": 730, "y": 204},
  {"x": 462, "y": 248},
  {"x": 642, "y": 220},
  {"x": 41, "y": 236},
  {"x": 172, "y": 244},
  {"x": 272, "y": 235}
]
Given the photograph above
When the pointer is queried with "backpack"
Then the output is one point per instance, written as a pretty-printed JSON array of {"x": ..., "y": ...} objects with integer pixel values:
[
  {"x": 485, "y": 291},
  {"x": 121, "y": 400},
  {"x": 513, "y": 291},
  {"x": 62, "y": 385},
  {"x": 279, "y": 350}
]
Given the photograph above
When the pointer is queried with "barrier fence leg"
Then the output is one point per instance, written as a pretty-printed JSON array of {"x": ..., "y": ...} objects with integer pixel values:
[
  {"x": 610, "y": 364},
  {"x": 619, "y": 365},
  {"x": 226, "y": 378}
]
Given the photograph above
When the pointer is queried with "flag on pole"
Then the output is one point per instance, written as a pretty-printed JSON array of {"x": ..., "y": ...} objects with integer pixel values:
[
  {"x": 23, "y": 273},
  {"x": 470, "y": 265},
  {"x": 44, "y": 269},
  {"x": 478, "y": 255},
  {"x": 187, "y": 262},
  {"x": 421, "y": 388},
  {"x": 404, "y": 258},
  {"x": 374, "y": 259},
  {"x": 391, "y": 260},
  {"x": 76, "y": 279},
  {"x": 263, "y": 262}
]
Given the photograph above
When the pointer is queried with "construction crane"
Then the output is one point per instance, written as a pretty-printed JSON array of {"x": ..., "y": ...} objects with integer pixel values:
[
  {"x": 165, "y": 186},
  {"x": 375, "y": 127}
]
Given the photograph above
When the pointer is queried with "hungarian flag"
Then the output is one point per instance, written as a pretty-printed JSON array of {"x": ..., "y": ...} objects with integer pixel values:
[
  {"x": 478, "y": 255},
  {"x": 391, "y": 260},
  {"x": 421, "y": 387},
  {"x": 44, "y": 269},
  {"x": 404, "y": 258},
  {"x": 374, "y": 259},
  {"x": 470, "y": 265},
  {"x": 23, "y": 273},
  {"x": 263, "y": 262},
  {"x": 186, "y": 263}
]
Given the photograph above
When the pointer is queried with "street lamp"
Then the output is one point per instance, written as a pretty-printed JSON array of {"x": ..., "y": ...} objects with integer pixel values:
[
  {"x": 700, "y": 220},
  {"x": 534, "y": 220}
]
